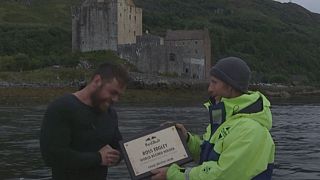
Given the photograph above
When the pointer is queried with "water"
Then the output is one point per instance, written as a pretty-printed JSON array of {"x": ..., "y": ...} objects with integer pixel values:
[{"x": 295, "y": 130}]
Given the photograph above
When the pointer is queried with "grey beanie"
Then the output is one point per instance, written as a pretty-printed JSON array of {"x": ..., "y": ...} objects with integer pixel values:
[{"x": 233, "y": 71}]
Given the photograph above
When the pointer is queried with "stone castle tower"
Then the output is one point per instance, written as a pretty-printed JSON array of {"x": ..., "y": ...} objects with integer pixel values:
[
  {"x": 184, "y": 53},
  {"x": 188, "y": 53},
  {"x": 105, "y": 24}
]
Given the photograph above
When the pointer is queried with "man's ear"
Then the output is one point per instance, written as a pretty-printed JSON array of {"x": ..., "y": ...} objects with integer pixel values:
[{"x": 97, "y": 81}]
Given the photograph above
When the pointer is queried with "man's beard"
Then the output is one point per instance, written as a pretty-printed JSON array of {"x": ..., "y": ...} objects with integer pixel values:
[{"x": 98, "y": 104}]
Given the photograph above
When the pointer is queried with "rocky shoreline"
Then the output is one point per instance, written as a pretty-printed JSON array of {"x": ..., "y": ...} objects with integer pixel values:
[
  {"x": 137, "y": 81},
  {"x": 153, "y": 82},
  {"x": 286, "y": 92}
]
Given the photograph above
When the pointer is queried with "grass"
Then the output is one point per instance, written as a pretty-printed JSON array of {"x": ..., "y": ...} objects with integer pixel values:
[
  {"x": 30, "y": 96},
  {"x": 46, "y": 76},
  {"x": 21, "y": 96}
]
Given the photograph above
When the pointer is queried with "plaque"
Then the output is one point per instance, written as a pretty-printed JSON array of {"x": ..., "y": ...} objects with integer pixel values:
[{"x": 154, "y": 149}]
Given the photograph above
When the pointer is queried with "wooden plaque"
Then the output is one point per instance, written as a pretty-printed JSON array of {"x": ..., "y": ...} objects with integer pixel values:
[{"x": 154, "y": 149}]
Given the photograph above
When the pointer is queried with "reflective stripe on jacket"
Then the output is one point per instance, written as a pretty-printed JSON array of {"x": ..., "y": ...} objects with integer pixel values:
[{"x": 241, "y": 148}]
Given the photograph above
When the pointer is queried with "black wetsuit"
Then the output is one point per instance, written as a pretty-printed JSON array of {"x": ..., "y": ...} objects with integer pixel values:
[{"x": 72, "y": 134}]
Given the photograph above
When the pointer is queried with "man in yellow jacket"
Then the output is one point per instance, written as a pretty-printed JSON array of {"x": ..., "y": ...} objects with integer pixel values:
[{"x": 237, "y": 144}]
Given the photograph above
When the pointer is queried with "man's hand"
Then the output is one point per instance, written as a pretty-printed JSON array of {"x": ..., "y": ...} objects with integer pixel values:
[
  {"x": 182, "y": 129},
  {"x": 109, "y": 156},
  {"x": 159, "y": 174}
]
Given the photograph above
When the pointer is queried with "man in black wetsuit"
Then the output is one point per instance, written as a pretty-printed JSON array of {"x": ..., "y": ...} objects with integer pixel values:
[{"x": 80, "y": 134}]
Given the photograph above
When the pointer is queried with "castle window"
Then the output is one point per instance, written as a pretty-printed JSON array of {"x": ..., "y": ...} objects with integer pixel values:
[
  {"x": 120, "y": 14},
  {"x": 196, "y": 51},
  {"x": 130, "y": 17},
  {"x": 134, "y": 33},
  {"x": 196, "y": 42},
  {"x": 172, "y": 57},
  {"x": 130, "y": 9},
  {"x": 135, "y": 18},
  {"x": 187, "y": 70}
]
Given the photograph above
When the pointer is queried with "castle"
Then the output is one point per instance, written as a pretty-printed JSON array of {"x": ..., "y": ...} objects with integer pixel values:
[
  {"x": 117, "y": 25},
  {"x": 105, "y": 24}
]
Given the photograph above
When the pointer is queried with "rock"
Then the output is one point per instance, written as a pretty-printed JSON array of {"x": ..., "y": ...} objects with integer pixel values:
[{"x": 285, "y": 94}]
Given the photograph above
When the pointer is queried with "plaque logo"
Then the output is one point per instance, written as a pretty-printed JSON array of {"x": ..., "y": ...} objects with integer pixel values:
[{"x": 151, "y": 140}]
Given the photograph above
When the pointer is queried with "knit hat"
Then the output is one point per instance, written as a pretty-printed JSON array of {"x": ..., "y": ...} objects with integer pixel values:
[{"x": 233, "y": 71}]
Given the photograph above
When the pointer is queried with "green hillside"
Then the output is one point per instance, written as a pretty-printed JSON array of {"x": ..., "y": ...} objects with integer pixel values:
[{"x": 278, "y": 41}]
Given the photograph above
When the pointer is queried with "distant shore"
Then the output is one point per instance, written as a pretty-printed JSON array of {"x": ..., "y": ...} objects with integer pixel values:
[
  {"x": 44, "y": 95},
  {"x": 162, "y": 93},
  {"x": 142, "y": 89}
]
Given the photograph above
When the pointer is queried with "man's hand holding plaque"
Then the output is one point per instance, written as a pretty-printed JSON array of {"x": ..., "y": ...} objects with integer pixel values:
[{"x": 155, "y": 149}]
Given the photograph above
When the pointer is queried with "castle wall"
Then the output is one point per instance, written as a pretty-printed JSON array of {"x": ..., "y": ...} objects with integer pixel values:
[
  {"x": 103, "y": 24},
  {"x": 94, "y": 27},
  {"x": 207, "y": 53},
  {"x": 75, "y": 29},
  {"x": 148, "y": 54},
  {"x": 186, "y": 58},
  {"x": 129, "y": 22}
]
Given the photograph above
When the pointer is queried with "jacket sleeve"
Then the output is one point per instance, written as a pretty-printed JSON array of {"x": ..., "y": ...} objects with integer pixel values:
[
  {"x": 245, "y": 153},
  {"x": 55, "y": 140},
  {"x": 194, "y": 142}
]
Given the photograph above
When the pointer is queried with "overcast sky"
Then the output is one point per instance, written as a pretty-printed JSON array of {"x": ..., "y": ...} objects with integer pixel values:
[{"x": 311, "y": 5}]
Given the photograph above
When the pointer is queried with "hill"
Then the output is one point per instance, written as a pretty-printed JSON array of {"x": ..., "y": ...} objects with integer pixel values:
[{"x": 280, "y": 41}]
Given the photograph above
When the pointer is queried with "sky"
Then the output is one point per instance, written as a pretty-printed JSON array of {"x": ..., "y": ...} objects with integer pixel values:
[{"x": 311, "y": 5}]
